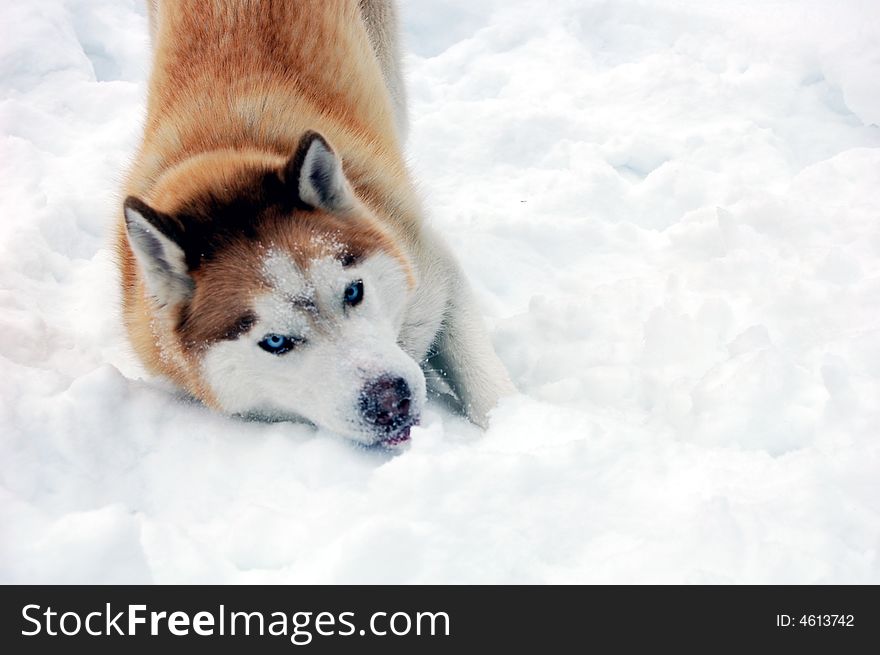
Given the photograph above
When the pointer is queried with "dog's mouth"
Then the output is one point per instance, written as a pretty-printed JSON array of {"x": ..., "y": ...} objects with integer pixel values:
[{"x": 398, "y": 438}]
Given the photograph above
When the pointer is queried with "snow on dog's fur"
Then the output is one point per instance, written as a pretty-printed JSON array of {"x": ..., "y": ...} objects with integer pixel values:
[{"x": 268, "y": 272}]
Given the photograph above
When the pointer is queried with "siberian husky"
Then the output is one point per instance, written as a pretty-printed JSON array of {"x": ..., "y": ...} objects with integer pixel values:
[{"x": 273, "y": 257}]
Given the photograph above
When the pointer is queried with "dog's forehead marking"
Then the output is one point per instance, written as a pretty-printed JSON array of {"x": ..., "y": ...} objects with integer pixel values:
[
  {"x": 295, "y": 295},
  {"x": 283, "y": 275},
  {"x": 276, "y": 314},
  {"x": 289, "y": 290}
]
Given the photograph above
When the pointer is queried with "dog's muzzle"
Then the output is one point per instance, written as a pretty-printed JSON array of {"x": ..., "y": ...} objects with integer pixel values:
[{"x": 385, "y": 405}]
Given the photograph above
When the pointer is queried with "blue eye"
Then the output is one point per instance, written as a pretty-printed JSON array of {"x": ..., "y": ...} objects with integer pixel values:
[
  {"x": 354, "y": 293},
  {"x": 278, "y": 344}
]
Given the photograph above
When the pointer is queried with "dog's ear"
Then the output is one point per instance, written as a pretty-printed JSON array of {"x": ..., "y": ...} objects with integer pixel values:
[
  {"x": 314, "y": 174},
  {"x": 156, "y": 240}
]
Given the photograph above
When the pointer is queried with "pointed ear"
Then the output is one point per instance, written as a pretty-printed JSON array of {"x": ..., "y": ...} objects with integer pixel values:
[
  {"x": 315, "y": 174},
  {"x": 155, "y": 240}
]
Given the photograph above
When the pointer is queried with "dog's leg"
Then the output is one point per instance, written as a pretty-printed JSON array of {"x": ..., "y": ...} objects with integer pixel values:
[
  {"x": 464, "y": 356},
  {"x": 380, "y": 18}
]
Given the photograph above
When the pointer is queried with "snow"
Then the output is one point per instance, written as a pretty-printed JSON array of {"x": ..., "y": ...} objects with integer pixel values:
[{"x": 669, "y": 213}]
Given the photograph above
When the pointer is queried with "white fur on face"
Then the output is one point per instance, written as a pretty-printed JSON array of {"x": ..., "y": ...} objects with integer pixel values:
[{"x": 344, "y": 347}]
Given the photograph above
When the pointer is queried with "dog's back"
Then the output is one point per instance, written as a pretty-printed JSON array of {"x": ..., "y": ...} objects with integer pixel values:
[{"x": 244, "y": 74}]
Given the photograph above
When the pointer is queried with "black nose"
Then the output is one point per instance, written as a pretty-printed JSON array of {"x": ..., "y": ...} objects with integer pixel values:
[{"x": 385, "y": 402}]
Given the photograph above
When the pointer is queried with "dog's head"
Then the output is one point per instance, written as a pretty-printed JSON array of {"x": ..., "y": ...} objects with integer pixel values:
[{"x": 282, "y": 294}]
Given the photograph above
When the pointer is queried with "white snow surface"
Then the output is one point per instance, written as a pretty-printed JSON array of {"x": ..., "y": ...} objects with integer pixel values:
[{"x": 669, "y": 211}]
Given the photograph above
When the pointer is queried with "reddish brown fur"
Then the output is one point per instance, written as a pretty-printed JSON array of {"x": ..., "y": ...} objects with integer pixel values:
[{"x": 234, "y": 86}]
